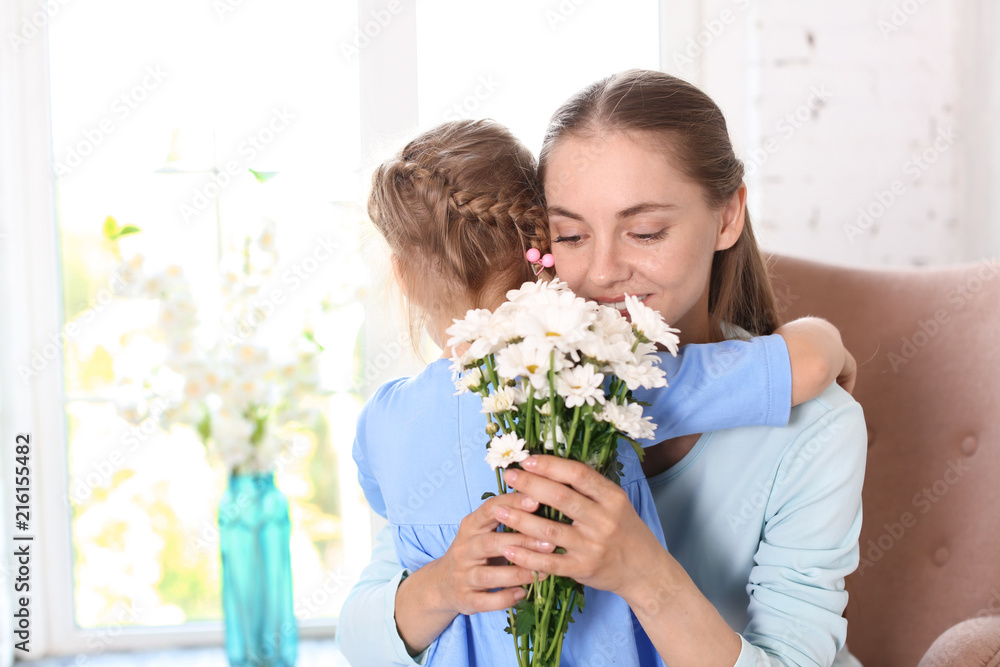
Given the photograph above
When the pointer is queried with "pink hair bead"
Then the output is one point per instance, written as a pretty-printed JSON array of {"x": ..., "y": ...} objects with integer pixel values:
[
  {"x": 548, "y": 261},
  {"x": 532, "y": 255}
]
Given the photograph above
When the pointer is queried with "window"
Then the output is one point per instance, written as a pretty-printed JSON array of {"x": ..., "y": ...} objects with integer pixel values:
[{"x": 158, "y": 113}]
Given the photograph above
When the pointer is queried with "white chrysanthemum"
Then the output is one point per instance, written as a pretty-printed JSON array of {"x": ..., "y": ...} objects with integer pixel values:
[
  {"x": 644, "y": 375},
  {"x": 529, "y": 359},
  {"x": 648, "y": 322},
  {"x": 559, "y": 318},
  {"x": 608, "y": 351},
  {"x": 506, "y": 449},
  {"x": 476, "y": 324},
  {"x": 610, "y": 325},
  {"x": 547, "y": 433},
  {"x": 579, "y": 385},
  {"x": 469, "y": 381},
  {"x": 628, "y": 419},
  {"x": 505, "y": 399},
  {"x": 528, "y": 290}
]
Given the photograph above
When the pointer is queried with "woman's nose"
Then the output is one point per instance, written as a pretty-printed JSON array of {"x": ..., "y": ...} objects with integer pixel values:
[{"x": 608, "y": 265}]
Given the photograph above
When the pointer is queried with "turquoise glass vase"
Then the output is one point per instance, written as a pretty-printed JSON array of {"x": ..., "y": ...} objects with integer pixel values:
[{"x": 254, "y": 534}]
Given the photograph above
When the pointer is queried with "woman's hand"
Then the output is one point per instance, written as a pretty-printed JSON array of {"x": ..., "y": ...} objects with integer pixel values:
[
  {"x": 468, "y": 578},
  {"x": 610, "y": 548},
  {"x": 607, "y": 546}
]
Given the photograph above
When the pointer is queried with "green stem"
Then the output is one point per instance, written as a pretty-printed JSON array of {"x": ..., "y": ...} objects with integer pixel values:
[
  {"x": 586, "y": 439},
  {"x": 572, "y": 428},
  {"x": 517, "y": 647},
  {"x": 560, "y": 628},
  {"x": 546, "y": 614}
]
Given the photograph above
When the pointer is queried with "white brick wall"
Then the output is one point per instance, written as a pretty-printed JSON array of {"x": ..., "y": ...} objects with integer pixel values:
[{"x": 868, "y": 126}]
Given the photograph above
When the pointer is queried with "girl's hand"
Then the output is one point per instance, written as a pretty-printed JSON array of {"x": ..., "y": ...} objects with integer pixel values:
[
  {"x": 607, "y": 546},
  {"x": 469, "y": 578},
  {"x": 472, "y": 576}
]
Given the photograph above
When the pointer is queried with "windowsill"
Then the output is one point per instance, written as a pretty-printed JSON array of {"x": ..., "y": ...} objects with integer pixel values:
[{"x": 312, "y": 653}]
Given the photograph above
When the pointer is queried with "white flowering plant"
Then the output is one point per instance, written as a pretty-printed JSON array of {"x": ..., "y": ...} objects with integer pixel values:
[
  {"x": 214, "y": 375},
  {"x": 556, "y": 375}
]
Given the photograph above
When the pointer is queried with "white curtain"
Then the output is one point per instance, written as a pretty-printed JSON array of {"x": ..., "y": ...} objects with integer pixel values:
[{"x": 23, "y": 107}]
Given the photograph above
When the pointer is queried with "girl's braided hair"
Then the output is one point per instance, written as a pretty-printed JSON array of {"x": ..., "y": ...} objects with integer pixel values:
[{"x": 459, "y": 206}]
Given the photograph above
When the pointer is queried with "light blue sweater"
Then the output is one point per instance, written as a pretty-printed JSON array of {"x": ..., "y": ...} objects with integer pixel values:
[{"x": 425, "y": 480}]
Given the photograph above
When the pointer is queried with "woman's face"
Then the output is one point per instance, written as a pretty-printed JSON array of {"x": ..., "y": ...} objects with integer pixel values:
[{"x": 624, "y": 220}]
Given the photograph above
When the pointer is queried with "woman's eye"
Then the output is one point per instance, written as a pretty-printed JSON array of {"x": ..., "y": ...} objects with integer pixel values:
[
  {"x": 570, "y": 240},
  {"x": 655, "y": 236}
]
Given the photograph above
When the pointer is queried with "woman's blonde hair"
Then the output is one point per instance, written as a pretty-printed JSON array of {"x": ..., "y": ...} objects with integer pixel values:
[
  {"x": 692, "y": 132},
  {"x": 459, "y": 206}
]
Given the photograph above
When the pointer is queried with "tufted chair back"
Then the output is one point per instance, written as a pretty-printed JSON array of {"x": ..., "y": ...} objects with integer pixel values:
[{"x": 927, "y": 344}]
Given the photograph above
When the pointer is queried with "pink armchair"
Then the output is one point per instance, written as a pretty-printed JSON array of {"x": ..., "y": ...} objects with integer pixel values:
[{"x": 927, "y": 343}]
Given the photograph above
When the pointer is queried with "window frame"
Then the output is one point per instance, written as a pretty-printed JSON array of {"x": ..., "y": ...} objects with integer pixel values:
[
  {"x": 30, "y": 307},
  {"x": 31, "y": 310}
]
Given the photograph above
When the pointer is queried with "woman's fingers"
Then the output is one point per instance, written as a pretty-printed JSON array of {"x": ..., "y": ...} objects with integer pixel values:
[
  {"x": 492, "y": 544},
  {"x": 489, "y": 577},
  {"x": 576, "y": 474},
  {"x": 496, "y": 600},
  {"x": 537, "y": 528},
  {"x": 482, "y": 519},
  {"x": 552, "y": 491},
  {"x": 557, "y": 564}
]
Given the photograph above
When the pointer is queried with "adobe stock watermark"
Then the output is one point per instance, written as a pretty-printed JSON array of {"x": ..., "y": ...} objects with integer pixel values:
[
  {"x": 372, "y": 27},
  {"x": 388, "y": 353},
  {"x": 35, "y": 24},
  {"x": 423, "y": 491},
  {"x": 561, "y": 12},
  {"x": 900, "y": 15},
  {"x": 333, "y": 583},
  {"x": 957, "y": 298},
  {"x": 787, "y": 126},
  {"x": 100, "y": 639},
  {"x": 255, "y": 143},
  {"x": 293, "y": 278},
  {"x": 923, "y": 502},
  {"x": 50, "y": 350},
  {"x": 468, "y": 105},
  {"x": 224, "y": 7},
  {"x": 752, "y": 506},
  {"x": 82, "y": 487},
  {"x": 711, "y": 29},
  {"x": 208, "y": 539},
  {"x": 914, "y": 168},
  {"x": 122, "y": 107}
]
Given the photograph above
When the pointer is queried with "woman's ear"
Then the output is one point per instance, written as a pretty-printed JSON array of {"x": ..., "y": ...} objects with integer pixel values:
[{"x": 733, "y": 217}]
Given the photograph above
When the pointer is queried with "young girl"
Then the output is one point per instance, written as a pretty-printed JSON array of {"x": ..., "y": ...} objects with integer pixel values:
[{"x": 458, "y": 207}]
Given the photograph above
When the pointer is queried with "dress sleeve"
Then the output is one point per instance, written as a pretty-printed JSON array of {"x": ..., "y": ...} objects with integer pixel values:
[
  {"x": 716, "y": 386},
  {"x": 366, "y": 632},
  {"x": 812, "y": 521},
  {"x": 366, "y": 478}
]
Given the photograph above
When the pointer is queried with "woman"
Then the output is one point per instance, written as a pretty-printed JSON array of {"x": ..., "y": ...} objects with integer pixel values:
[{"x": 645, "y": 197}]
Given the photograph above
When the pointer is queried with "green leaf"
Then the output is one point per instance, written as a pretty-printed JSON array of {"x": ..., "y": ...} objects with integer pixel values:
[
  {"x": 524, "y": 617},
  {"x": 110, "y": 228},
  {"x": 205, "y": 427},
  {"x": 263, "y": 176},
  {"x": 126, "y": 230},
  {"x": 312, "y": 339},
  {"x": 640, "y": 452},
  {"x": 488, "y": 494}
]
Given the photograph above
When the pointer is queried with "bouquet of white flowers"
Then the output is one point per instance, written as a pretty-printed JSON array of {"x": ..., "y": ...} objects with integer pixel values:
[
  {"x": 556, "y": 375},
  {"x": 244, "y": 404}
]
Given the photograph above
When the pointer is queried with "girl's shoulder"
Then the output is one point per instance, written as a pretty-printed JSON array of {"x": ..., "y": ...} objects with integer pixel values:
[{"x": 433, "y": 380}]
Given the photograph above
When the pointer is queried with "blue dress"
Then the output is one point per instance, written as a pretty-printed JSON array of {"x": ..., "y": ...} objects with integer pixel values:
[{"x": 420, "y": 455}]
